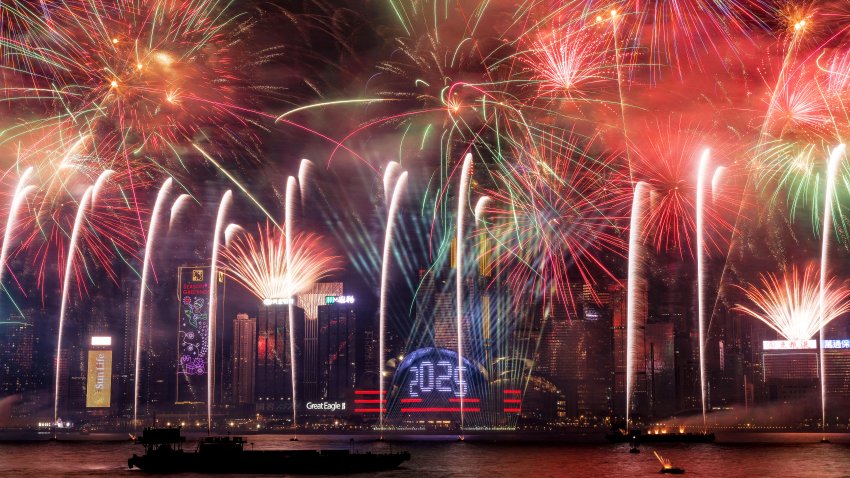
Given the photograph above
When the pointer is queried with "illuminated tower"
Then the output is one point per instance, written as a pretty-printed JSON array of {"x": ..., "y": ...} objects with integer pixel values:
[
  {"x": 337, "y": 351},
  {"x": 193, "y": 347},
  {"x": 273, "y": 380},
  {"x": 309, "y": 301},
  {"x": 244, "y": 359}
]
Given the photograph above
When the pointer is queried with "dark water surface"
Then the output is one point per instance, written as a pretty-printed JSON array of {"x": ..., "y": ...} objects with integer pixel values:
[{"x": 762, "y": 455}]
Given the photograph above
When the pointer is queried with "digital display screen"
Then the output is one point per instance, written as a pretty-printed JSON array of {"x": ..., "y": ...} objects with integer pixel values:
[
  {"x": 192, "y": 340},
  {"x": 99, "y": 379},
  {"x": 789, "y": 344},
  {"x": 836, "y": 344},
  {"x": 432, "y": 381},
  {"x": 441, "y": 377}
]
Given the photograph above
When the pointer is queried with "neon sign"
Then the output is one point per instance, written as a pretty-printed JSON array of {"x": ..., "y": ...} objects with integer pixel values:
[
  {"x": 836, "y": 344},
  {"x": 339, "y": 299},
  {"x": 326, "y": 406},
  {"x": 101, "y": 341},
  {"x": 279, "y": 301},
  {"x": 805, "y": 344},
  {"x": 441, "y": 377},
  {"x": 789, "y": 344}
]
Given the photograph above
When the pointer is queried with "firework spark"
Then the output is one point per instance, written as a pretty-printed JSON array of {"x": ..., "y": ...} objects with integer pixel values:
[
  {"x": 790, "y": 305},
  {"x": 259, "y": 263}
]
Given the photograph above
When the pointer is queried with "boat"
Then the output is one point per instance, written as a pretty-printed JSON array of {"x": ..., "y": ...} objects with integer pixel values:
[
  {"x": 667, "y": 467},
  {"x": 620, "y": 436},
  {"x": 227, "y": 454}
]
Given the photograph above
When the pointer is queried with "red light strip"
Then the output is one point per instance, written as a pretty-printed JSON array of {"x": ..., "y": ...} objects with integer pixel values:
[
  {"x": 513, "y": 410},
  {"x": 465, "y": 400},
  {"x": 438, "y": 409},
  {"x": 411, "y": 400},
  {"x": 369, "y": 392},
  {"x": 367, "y": 410},
  {"x": 507, "y": 400},
  {"x": 512, "y": 392},
  {"x": 371, "y": 401}
]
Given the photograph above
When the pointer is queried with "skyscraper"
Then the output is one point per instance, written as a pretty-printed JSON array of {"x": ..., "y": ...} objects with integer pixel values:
[
  {"x": 273, "y": 373},
  {"x": 309, "y": 301},
  {"x": 244, "y": 359},
  {"x": 337, "y": 351},
  {"x": 17, "y": 346}
]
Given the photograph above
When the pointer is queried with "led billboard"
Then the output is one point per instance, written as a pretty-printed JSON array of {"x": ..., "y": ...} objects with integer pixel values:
[
  {"x": 99, "y": 383},
  {"x": 192, "y": 333}
]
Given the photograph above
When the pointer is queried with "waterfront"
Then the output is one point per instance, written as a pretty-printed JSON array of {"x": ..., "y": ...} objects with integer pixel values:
[{"x": 751, "y": 455}]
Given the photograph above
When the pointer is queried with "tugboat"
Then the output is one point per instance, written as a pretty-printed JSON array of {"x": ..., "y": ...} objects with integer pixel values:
[
  {"x": 225, "y": 454},
  {"x": 667, "y": 468}
]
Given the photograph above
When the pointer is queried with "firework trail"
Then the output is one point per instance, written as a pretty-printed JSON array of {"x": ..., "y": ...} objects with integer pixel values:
[
  {"x": 82, "y": 208},
  {"x": 462, "y": 200},
  {"x": 21, "y": 191},
  {"x": 147, "y": 265},
  {"x": 702, "y": 171},
  {"x": 832, "y": 167},
  {"x": 635, "y": 260},
  {"x": 224, "y": 205},
  {"x": 394, "y": 196}
]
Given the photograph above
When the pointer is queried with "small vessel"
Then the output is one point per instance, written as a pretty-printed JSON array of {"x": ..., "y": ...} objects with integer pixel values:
[
  {"x": 667, "y": 467},
  {"x": 225, "y": 454}
]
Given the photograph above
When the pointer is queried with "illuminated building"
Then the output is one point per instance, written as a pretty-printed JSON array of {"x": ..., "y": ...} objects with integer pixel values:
[
  {"x": 17, "y": 348},
  {"x": 337, "y": 351},
  {"x": 660, "y": 376},
  {"x": 193, "y": 347},
  {"x": 791, "y": 372},
  {"x": 618, "y": 305},
  {"x": 244, "y": 359},
  {"x": 273, "y": 373},
  {"x": 99, "y": 373},
  {"x": 309, "y": 301}
]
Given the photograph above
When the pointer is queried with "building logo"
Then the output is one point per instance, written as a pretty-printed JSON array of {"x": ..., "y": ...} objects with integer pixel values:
[
  {"x": 99, "y": 381},
  {"x": 197, "y": 275},
  {"x": 326, "y": 406},
  {"x": 339, "y": 299}
]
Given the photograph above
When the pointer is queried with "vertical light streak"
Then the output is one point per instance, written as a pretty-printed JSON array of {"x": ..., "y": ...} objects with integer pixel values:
[
  {"x": 226, "y": 199},
  {"x": 700, "y": 256},
  {"x": 66, "y": 285},
  {"x": 305, "y": 170},
  {"x": 21, "y": 191},
  {"x": 716, "y": 179},
  {"x": 832, "y": 167},
  {"x": 146, "y": 265},
  {"x": 462, "y": 198},
  {"x": 479, "y": 207},
  {"x": 178, "y": 206},
  {"x": 98, "y": 185},
  {"x": 390, "y": 177},
  {"x": 635, "y": 256},
  {"x": 289, "y": 224},
  {"x": 385, "y": 270}
]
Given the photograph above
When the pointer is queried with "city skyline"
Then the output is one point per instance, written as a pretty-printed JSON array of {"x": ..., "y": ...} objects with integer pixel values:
[{"x": 423, "y": 215}]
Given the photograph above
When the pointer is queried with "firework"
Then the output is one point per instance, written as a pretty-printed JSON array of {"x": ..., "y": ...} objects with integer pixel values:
[
  {"x": 552, "y": 215},
  {"x": 259, "y": 263},
  {"x": 666, "y": 161},
  {"x": 790, "y": 305},
  {"x": 140, "y": 80}
]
